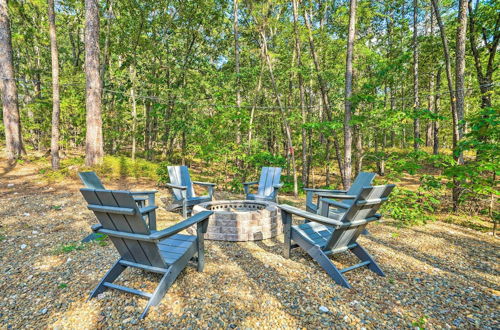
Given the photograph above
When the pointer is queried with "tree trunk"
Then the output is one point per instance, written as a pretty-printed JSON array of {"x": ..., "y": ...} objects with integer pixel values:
[
  {"x": 348, "y": 95},
  {"x": 238, "y": 81},
  {"x": 94, "y": 142},
  {"x": 301, "y": 90},
  {"x": 134, "y": 110},
  {"x": 449, "y": 78},
  {"x": 282, "y": 109},
  {"x": 460, "y": 92},
  {"x": 11, "y": 119},
  {"x": 324, "y": 94},
  {"x": 54, "y": 141},
  {"x": 416, "y": 102},
  {"x": 435, "y": 123}
]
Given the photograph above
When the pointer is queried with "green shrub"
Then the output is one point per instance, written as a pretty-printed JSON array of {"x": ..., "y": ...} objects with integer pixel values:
[{"x": 409, "y": 207}]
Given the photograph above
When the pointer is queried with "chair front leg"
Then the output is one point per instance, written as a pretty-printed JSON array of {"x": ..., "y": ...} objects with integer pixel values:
[
  {"x": 201, "y": 229},
  {"x": 211, "y": 192},
  {"x": 286, "y": 218}
]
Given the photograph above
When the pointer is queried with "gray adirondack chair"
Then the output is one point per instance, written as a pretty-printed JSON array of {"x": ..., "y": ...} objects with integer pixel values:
[
  {"x": 269, "y": 185},
  {"x": 323, "y": 236},
  {"x": 92, "y": 181},
  {"x": 182, "y": 190},
  {"x": 165, "y": 252},
  {"x": 363, "y": 179}
]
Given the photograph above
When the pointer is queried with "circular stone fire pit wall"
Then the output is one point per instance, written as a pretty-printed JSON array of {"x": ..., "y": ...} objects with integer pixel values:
[{"x": 240, "y": 220}]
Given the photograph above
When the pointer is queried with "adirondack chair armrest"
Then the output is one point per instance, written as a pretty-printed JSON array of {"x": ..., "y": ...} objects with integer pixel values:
[
  {"x": 337, "y": 196},
  {"x": 310, "y": 216},
  {"x": 96, "y": 227},
  {"x": 362, "y": 221},
  {"x": 210, "y": 186},
  {"x": 147, "y": 192},
  {"x": 247, "y": 184},
  {"x": 334, "y": 203},
  {"x": 199, "y": 217},
  {"x": 148, "y": 209},
  {"x": 204, "y": 183},
  {"x": 314, "y": 190},
  {"x": 174, "y": 186},
  {"x": 278, "y": 186}
]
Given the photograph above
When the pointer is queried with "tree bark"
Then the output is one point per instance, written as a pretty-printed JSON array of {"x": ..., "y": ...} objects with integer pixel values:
[
  {"x": 283, "y": 112},
  {"x": 134, "y": 110},
  {"x": 11, "y": 119},
  {"x": 324, "y": 94},
  {"x": 460, "y": 92},
  {"x": 435, "y": 123},
  {"x": 348, "y": 94},
  {"x": 237, "y": 71},
  {"x": 416, "y": 100},
  {"x": 449, "y": 77},
  {"x": 54, "y": 141},
  {"x": 94, "y": 151},
  {"x": 301, "y": 90}
]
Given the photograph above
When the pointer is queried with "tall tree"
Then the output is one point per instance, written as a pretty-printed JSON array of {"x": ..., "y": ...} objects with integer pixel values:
[
  {"x": 348, "y": 94},
  {"x": 11, "y": 119},
  {"x": 301, "y": 90},
  {"x": 54, "y": 141},
  {"x": 237, "y": 70},
  {"x": 449, "y": 76},
  {"x": 94, "y": 151},
  {"x": 416, "y": 99}
]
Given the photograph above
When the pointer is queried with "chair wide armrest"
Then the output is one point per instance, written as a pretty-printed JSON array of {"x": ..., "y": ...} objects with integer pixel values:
[
  {"x": 337, "y": 196},
  {"x": 147, "y": 192},
  {"x": 278, "y": 186},
  {"x": 204, "y": 183},
  {"x": 174, "y": 186},
  {"x": 334, "y": 203},
  {"x": 314, "y": 190},
  {"x": 310, "y": 216},
  {"x": 250, "y": 183},
  {"x": 199, "y": 217},
  {"x": 148, "y": 209}
]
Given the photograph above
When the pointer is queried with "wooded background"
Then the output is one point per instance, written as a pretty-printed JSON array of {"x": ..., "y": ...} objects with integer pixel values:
[{"x": 299, "y": 84}]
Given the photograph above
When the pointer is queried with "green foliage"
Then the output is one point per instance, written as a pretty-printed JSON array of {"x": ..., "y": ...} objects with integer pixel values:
[
  {"x": 409, "y": 207},
  {"x": 62, "y": 285},
  {"x": 68, "y": 248}
]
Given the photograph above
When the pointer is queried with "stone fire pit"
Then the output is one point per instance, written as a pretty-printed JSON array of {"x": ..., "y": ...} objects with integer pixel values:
[{"x": 240, "y": 220}]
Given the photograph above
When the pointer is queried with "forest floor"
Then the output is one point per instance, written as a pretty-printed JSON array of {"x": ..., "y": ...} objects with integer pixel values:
[{"x": 438, "y": 275}]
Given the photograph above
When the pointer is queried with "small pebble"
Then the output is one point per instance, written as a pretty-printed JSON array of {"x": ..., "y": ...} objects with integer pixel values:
[
  {"x": 23, "y": 246},
  {"x": 323, "y": 309}
]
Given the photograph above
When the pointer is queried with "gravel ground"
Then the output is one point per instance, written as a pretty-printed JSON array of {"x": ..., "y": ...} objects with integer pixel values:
[{"x": 438, "y": 275}]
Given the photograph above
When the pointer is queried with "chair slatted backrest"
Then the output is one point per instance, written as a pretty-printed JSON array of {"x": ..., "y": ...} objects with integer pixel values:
[
  {"x": 364, "y": 207},
  {"x": 269, "y": 177},
  {"x": 363, "y": 179},
  {"x": 179, "y": 175},
  {"x": 91, "y": 180},
  {"x": 124, "y": 216}
]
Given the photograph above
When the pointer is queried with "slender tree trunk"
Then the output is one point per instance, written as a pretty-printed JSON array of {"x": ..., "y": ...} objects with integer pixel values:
[
  {"x": 94, "y": 142},
  {"x": 348, "y": 95},
  {"x": 252, "y": 111},
  {"x": 435, "y": 123},
  {"x": 301, "y": 90},
  {"x": 54, "y": 142},
  {"x": 416, "y": 100},
  {"x": 11, "y": 119},
  {"x": 134, "y": 111},
  {"x": 283, "y": 112},
  {"x": 460, "y": 92},
  {"x": 324, "y": 94},
  {"x": 449, "y": 77},
  {"x": 237, "y": 71}
]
